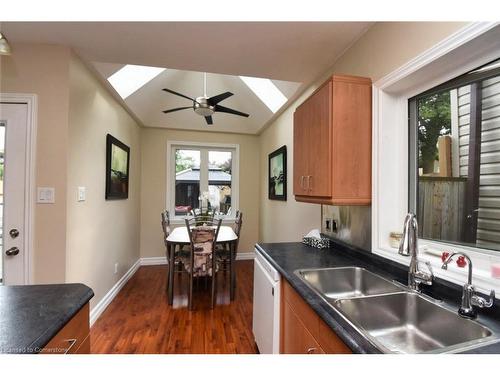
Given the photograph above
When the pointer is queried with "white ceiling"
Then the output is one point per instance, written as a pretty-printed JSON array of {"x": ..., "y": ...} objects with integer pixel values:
[
  {"x": 297, "y": 52},
  {"x": 150, "y": 100}
]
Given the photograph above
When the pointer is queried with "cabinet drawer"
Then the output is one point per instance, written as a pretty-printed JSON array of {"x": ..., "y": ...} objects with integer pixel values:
[
  {"x": 307, "y": 315},
  {"x": 296, "y": 338},
  {"x": 72, "y": 336},
  {"x": 330, "y": 342},
  {"x": 302, "y": 330}
]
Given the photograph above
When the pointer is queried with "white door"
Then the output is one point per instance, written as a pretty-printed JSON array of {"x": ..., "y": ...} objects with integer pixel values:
[{"x": 13, "y": 172}]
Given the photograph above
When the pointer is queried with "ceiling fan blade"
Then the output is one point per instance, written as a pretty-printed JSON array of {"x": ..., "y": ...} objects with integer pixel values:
[
  {"x": 219, "y": 98},
  {"x": 178, "y": 94},
  {"x": 219, "y": 108},
  {"x": 176, "y": 109},
  {"x": 209, "y": 120}
]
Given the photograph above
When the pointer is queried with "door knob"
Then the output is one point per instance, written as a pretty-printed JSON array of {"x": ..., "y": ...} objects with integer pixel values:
[
  {"x": 14, "y": 233},
  {"x": 12, "y": 251}
]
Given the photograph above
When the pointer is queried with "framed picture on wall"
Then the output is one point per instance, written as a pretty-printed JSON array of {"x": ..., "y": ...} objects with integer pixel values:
[
  {"x": 277, "y": 174},
  {"x": 117, "y": 168}
]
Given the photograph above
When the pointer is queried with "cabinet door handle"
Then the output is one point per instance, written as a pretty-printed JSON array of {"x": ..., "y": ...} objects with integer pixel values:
[
  {"x": 302, "y": 182},
  {"x": 309, "y": 182},
  {"x": 311, "y": 350}
]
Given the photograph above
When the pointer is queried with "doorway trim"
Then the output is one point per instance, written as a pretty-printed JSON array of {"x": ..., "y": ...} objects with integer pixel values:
[{"x": 30, "y": 175}]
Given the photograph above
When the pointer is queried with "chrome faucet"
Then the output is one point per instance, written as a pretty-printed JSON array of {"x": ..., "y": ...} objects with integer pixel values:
[
  {"x": 410, "y": 237},
  {"x": 469, "y": 296}
]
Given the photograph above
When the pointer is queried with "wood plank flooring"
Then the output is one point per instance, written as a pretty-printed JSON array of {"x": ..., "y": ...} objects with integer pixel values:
[{"x": 139, "y": 320}]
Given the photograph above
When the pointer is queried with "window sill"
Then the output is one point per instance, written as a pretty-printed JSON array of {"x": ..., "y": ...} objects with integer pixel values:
[{"x": 481, "y": 272}]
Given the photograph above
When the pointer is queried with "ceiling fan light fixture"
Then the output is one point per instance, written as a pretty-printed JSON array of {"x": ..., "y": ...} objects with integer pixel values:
[{"x": 5, "y": 48}]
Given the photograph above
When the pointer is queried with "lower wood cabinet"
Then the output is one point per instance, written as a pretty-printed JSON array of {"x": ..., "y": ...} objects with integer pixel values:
[
  {"x": 303, "y": 331},
  {"x": 73, "y": 338}
]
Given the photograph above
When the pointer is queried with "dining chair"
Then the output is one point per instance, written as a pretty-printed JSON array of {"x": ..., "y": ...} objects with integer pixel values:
[
  {"x": 202, "y": 261},
  {"x": 224, "y": 253},
  {"x": 179, "y": 253},
  {"x": 202, "y": 218}
]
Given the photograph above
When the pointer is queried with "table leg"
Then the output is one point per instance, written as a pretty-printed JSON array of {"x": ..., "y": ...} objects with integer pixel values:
[
  {"x": 232, "y": 286},
  {"x": 171, "y": 265}
]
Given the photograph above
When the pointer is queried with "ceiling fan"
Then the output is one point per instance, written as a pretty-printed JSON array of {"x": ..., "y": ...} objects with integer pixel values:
[{"x": 206, "y": 106}]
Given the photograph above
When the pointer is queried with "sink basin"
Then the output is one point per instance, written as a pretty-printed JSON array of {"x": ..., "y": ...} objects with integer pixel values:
[
  {"x": 408, "y": 323},
  {"x": 346, "y": 282}
]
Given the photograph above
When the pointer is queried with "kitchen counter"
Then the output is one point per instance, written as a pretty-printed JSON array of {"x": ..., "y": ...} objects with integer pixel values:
[
  {"x": 31, "y": 315},
  {"x": 288, "y": 257}
]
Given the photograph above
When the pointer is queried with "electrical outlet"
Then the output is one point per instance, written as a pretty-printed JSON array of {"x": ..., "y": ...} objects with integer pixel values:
[
  {"x": 328, "y": 225},
  {"x": 116, "y": 268}
]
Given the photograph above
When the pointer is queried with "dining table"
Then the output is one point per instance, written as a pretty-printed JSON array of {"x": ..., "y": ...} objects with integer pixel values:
[{"x": 180, "y": 237}]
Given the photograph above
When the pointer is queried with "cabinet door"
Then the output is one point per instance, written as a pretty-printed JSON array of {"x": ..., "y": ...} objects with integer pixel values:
[
  {"x": 352, "y": 121},
  {"x": 300, "y": 150},
  {"x": 296, "y": 338},
  {"x": 319, "y": 180}
]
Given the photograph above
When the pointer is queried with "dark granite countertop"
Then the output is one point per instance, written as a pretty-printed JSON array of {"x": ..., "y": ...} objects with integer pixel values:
[
  {"x": 31, "y": 315},
  {"x": 290, "y": 256}
]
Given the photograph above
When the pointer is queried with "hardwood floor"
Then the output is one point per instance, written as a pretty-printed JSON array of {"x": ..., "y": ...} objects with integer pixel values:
[{"x": 139, "y": 320}]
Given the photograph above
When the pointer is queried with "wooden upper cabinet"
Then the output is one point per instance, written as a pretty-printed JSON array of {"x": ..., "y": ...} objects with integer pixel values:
[{"x": 332, "y": 143}]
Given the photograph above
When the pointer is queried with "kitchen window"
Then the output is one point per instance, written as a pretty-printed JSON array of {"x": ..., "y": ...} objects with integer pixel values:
[
  {"x": 202, "y": 176},
  {"x": 395, "y": 178},
  {"x": 454, "y": 159}
]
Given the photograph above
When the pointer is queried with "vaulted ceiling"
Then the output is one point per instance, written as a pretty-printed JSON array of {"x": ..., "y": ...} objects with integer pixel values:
[{"x": 291, "y": 54}]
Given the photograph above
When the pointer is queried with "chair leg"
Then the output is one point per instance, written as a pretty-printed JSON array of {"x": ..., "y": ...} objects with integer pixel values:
[
  {"x": 214, "y": 281},
  {"x": 168, "y": 274},
  {"x": 190, "y": 297},
  {"x": 232, "y": 284}
]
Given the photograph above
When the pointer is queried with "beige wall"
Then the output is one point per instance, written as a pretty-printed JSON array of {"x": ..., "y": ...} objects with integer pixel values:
[
  {"x": 100, "y": 232},
  {"x": 382, "y": 49},
  {"x": 153, "y": 189},
  {"x": 43, "y": 70}
]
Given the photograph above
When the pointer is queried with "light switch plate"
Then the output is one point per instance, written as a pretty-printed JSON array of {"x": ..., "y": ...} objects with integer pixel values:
[
  {"x": 46, "y": 195},
  {"x": 82, "y": 193}
]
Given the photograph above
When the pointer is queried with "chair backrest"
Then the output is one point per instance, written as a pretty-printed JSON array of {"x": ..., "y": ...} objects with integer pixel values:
[
  {"x": 206, "y": 233},
  {"x": 202, "y": 218},
  {"x": 238, "y": 222},
  {"x": 165, "y": 223}
]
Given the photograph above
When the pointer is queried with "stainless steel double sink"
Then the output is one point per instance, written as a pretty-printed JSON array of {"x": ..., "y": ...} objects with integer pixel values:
[{"x": 393, "y": 318}]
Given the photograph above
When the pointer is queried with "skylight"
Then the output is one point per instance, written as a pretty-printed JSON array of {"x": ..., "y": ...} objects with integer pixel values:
[
  {"x": 266, "y": 91},
  {"x": 131, "y": 78}
]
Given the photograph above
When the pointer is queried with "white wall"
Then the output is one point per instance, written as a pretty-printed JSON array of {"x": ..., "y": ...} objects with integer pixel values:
[
  {"x": 100, "y": 232},
  {"x": 43, "y": 70},
  {"x": 383, "y": 48},
  {"x": 154, "y": 183}
]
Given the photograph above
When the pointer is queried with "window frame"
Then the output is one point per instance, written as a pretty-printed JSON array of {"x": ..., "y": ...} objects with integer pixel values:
[
  {"x": 473, "y": 78},
  {"x": 204, "y": 148},
  {"x": 470, "y": 47}
]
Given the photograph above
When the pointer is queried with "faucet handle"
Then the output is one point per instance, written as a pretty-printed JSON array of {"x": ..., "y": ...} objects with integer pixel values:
[{"x": 482, "y": 302}]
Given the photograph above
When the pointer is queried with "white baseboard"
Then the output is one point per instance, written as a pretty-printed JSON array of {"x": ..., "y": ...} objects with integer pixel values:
[
  {"x": 153, "y": 261},
  {"x": 245, "y": 256},
  {"x": 98, "y": 309}
]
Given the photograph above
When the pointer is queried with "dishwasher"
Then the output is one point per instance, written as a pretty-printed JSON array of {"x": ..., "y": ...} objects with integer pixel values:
[{"x": 266, "y": 305}]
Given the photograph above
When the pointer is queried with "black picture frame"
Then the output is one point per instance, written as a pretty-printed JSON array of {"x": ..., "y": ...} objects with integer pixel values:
[
  {"x": 277, "y": 171},
  {"x": 116, "y": 181}
]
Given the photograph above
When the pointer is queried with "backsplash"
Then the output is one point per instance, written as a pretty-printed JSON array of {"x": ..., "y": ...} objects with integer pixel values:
[{"x": 351, "y": 224}]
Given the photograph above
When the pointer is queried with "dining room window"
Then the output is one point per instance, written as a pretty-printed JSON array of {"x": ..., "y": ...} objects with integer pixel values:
[{"x": 203, "y": 176}]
